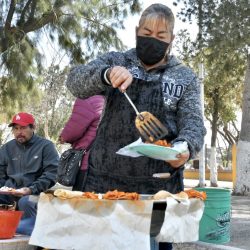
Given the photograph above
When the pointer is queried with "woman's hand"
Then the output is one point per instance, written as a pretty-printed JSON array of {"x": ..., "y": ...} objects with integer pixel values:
[
  {"x": 120, "y": 78},
  {"x": 182, "y": 158}
]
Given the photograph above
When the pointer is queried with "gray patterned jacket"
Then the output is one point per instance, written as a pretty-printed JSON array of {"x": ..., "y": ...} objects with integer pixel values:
[
  {"x": 180, "y": 89},
  {"x": 170, "y": 92}
]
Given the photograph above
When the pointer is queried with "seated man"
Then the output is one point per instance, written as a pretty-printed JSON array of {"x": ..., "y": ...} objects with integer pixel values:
[{"x": 28, "y": 164}]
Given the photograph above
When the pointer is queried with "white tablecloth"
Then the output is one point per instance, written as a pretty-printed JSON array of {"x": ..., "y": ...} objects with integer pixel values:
[
  {"x": 105, "y": 224},
  {"x": 92, "y": 224}
]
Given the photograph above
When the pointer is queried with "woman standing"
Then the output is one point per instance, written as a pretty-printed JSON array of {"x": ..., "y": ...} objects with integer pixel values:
[
  {"x": 80, "y": 129},
  {"x": 157, "y": 82}
]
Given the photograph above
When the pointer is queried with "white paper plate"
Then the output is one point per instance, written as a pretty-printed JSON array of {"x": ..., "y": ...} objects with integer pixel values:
[{"x": 155, "y": 151}]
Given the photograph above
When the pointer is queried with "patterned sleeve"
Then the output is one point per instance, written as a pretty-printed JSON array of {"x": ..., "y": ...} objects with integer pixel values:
[
  {"x": 190, "y": 118},
  {"x": 86, "y": 80}
]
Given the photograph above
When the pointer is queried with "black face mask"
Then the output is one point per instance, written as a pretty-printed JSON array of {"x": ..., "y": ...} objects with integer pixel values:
[{"x": 150, "y": 50}]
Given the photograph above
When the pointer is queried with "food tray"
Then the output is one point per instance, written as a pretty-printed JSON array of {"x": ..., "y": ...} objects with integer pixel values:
[{"x": 10, "y": 192}]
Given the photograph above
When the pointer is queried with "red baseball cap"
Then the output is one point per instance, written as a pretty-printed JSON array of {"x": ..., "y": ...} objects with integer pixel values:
[{"x": 23, "y": 119}]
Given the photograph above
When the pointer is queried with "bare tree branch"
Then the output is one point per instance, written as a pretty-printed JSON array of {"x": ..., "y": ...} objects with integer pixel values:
[
  {"x": 18, "y": 33},
  {"x": 32, "y": 12},
  {"x": 236, "y": 128},
  {"x": 22, "y": 17},
  {"x": 229, "y": 133},
  {"x": 46, "y": 18},
  {"x": 224, "y": 136},
  {"x": 10, "y": 15}
]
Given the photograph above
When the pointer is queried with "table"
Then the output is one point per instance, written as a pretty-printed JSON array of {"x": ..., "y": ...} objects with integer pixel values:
[{"x": 125, "y": 225}]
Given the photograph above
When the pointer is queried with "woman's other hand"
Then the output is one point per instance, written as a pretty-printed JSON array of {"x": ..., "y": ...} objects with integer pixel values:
[
  {"x": 120, "y": 77},
  {"x": 182, "y": 158}
]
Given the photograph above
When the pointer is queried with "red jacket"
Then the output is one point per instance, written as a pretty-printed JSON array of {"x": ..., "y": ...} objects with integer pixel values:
[{"x": 80, "y": 130}]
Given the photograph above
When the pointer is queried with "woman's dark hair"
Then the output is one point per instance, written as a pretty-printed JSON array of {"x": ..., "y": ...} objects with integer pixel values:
[{"x": 158, "y": 11}]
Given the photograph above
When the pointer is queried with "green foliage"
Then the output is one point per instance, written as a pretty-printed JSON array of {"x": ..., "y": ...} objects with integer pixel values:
[
  {"x": 223, "y": 87},
  {"x": 230, "y": 26},
  {"x": 185, "y": 47},
  {"x": 221, "y": 45},
  {"x": 55, "y": 103},
  {"x": 15, "y": 94},
  {"x": 82, "y": 29}
]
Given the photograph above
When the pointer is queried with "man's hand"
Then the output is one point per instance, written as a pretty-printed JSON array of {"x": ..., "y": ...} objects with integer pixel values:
[
  {"x": 23, "y": 191},
  {"x": 182, "y": 158},
  {"x": 61, "y": 140},
  {"x": 120, "y": 78}
]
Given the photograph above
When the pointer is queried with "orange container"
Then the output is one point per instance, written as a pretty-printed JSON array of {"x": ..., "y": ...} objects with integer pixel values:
[{"x": 8, "y": 223}]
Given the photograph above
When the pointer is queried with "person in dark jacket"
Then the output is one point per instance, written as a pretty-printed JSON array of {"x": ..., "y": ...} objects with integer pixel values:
[
  {"x": 80, "y": 130},
  {"x": 28, "y": 164},
  {"x": 157, "y": 82}
]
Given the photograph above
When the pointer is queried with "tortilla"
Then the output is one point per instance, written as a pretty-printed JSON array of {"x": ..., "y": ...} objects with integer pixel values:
[{"x": 67, "y": 194}]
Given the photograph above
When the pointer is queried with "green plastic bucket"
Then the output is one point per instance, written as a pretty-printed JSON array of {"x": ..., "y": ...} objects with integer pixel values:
[{"x": 215, "y": 221}]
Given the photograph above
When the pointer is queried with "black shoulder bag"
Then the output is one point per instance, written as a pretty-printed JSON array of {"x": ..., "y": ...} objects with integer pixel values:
[{"x": 69, "y": 165}]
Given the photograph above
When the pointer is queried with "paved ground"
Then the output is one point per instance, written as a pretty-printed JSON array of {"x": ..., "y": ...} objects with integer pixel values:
[
  {"x": 240, "y": 222},
  {"x": 189, "y": 183}
]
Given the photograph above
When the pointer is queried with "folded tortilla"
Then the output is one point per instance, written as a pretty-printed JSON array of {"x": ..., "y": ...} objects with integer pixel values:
[
  {"x": 162, "y": 195},
  {"x": 67, "y": 194}
]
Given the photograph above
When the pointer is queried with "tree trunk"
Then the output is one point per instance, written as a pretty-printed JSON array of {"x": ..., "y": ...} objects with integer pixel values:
[
  {"x": 213, "y": 163},
  {"x": 213, "y": 168},
  {"x": 242, "y": 185}
]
